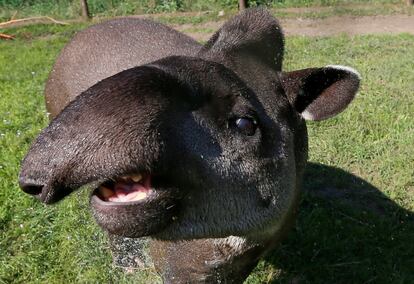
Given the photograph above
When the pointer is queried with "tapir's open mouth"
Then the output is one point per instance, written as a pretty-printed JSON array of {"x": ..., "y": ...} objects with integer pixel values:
[
  {"x": 135, "y": 187},
  {"x": 132, "y": 206}
]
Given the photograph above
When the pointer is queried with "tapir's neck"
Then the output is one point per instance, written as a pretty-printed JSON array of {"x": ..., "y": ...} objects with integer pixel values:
[
  {"x": 227, "y": 260},
  {"x": 216, "y": 260}
]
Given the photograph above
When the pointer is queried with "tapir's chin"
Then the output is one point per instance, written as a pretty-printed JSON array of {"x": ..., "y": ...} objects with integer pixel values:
[{"x": 132, "y": 207}]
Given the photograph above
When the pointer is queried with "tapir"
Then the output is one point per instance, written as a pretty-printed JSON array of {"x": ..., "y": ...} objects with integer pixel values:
[{"x": 200, "y": 147}]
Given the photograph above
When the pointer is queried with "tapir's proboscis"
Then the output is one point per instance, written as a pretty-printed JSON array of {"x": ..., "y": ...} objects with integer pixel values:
[{"x": 202, "y": 148}]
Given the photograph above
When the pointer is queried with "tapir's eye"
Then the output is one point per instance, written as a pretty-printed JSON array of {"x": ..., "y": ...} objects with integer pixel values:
[{"x": 246, "y": 125}]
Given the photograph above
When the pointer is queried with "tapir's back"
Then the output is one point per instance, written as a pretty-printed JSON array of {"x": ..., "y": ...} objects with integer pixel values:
[{"x": 106, "y": 49}]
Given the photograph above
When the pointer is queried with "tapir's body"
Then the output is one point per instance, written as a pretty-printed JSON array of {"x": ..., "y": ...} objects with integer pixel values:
[
  {"x": 107, "y": 49},
  {"x": 202, "y": 147}
]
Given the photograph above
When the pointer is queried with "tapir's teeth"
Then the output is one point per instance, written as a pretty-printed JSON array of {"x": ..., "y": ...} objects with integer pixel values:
[
  {"x": 136, "y": 178},
  {"x": 125, "y": 178},
  {"x": 105, "y": 192},
  {"x": 140, "y": 196}
]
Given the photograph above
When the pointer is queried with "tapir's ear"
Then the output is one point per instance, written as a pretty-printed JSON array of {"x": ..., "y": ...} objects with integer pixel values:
[
  {"x": 254, "y": 32},
  {"x": 320, "y": 93}
]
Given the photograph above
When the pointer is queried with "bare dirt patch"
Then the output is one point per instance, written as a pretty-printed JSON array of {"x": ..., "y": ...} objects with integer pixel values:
[
  {"x": 351, "y": 25},
  {"x": 296, "y": 25}
]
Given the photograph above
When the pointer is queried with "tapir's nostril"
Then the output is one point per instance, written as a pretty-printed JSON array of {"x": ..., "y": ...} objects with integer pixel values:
[{"x": 31, "y": 188}]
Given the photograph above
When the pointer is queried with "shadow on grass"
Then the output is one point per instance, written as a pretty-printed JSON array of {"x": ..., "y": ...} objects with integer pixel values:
[{"x": 347, "y": 232}]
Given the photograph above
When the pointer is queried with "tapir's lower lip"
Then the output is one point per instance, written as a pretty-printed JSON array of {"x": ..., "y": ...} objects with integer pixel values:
[{"x": 136, "y": 218}]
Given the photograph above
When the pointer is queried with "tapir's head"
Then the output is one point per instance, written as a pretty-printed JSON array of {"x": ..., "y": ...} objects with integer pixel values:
[{"x": 189, "y": 147}]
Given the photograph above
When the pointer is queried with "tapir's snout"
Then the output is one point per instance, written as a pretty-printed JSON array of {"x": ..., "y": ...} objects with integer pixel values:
[
  {"x": 31, "y": 187},
  {"x": 112, "y": 129},
  {"x": 47, "y": 191},
  {"x": 38, "y": 179},
  {"x": 110, "y": 139}
]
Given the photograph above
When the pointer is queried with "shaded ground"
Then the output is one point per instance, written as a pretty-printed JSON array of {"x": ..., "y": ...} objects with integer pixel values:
[{"x": 351, "y": 25}]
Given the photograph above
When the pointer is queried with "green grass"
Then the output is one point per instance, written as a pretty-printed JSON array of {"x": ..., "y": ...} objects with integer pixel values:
[{"x": 356, "y": 221}]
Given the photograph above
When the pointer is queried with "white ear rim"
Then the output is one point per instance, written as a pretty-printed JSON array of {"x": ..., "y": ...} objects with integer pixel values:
[
  {"x": 345, "y": 68},
  {"x": 307, "y": 115}
]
